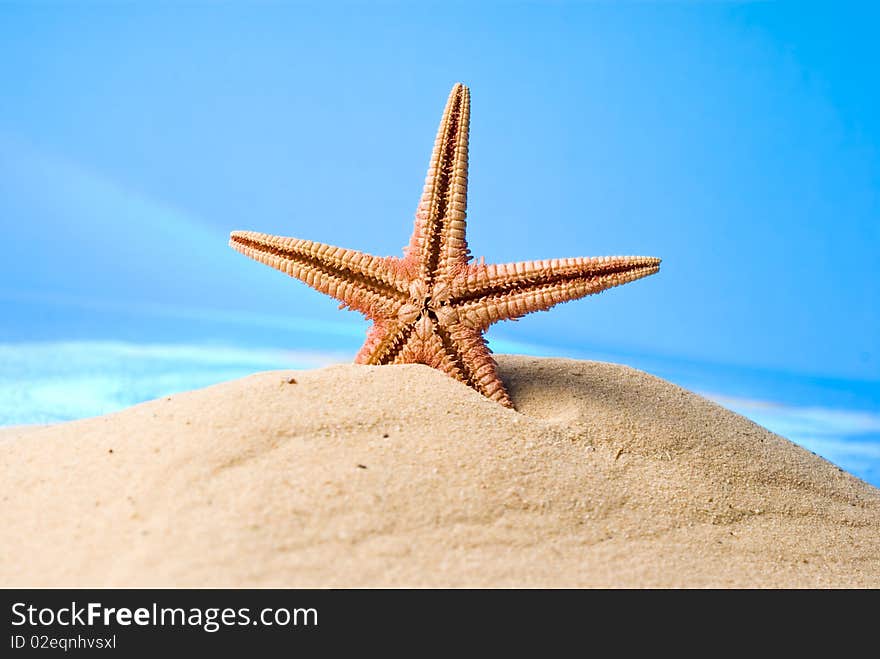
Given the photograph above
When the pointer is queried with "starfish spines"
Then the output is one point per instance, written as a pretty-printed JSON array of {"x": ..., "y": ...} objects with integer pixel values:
[
  {"x": 366, "y": 283},
  {"x": 515, "y": 302},
  {"x": 382, "y": 269},
  {"x": 453, "y": 241},
  {"x": 424, "y": 346},
  {"x": 438, "y": 240},
  {"x": 384, "y": 340},
  {"x": 478, "y": 365},
  {"x": 482, "y": 279}
]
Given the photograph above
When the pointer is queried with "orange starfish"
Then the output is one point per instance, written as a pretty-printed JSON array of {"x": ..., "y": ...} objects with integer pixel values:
[{"x": 433, "y": 305}]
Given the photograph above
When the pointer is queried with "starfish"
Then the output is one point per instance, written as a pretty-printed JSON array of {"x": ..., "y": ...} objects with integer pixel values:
[{"x": 433, "y": 305}]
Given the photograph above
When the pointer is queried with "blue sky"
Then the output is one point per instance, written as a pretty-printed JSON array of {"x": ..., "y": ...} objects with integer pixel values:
[{"x": 738, "y": 141}]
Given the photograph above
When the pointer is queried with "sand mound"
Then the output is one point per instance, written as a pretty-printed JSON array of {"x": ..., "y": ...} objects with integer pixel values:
[{"x": 399, "y": 476}]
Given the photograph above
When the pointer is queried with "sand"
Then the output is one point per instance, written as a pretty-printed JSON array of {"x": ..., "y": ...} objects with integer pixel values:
[{"x": 399, "y": 476}]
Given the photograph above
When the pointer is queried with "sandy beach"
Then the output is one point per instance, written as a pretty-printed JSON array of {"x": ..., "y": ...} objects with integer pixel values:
[{"x": 399, "y": 476}]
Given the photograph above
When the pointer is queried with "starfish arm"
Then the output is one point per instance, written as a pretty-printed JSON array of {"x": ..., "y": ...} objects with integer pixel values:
[
  {"x": 424, "y": 345},
  {"x": 438, "y": 243},
  {"x": 490, "y": 293},
  {"x": 416, "y": 342},
  {"x": 385, "y": 339},
  {"x": 474, "y": 359},
  {"x": 366, "y": 283},
  {"x": 457, "y": 350}
]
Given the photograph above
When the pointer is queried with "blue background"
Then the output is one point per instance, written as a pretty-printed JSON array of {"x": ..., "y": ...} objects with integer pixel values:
[{"x": 737, "y": 141}]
